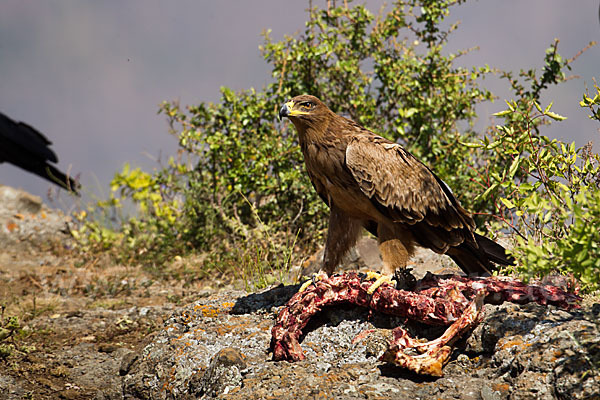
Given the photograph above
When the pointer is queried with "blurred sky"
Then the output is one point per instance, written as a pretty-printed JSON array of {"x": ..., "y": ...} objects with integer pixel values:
[{"x": 91, "y": 74}]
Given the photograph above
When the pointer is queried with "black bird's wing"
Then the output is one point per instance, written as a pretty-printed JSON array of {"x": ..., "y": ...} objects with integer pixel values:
[{"x": 25, "y": 147}]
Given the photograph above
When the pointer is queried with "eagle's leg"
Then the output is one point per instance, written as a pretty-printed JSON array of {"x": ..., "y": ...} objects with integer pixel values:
[
  {"x": 342, "y": 235},
  {"x": 396, "y": 247}
]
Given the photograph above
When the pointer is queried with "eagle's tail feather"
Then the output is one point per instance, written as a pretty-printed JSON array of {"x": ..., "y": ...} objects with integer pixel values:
[
  {"x": 494, "y": 252},
  {"x": 480, "y": 259}
]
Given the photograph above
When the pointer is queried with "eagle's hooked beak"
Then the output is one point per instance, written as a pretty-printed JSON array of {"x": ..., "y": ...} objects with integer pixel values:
[{"x": 287, "y": 110}]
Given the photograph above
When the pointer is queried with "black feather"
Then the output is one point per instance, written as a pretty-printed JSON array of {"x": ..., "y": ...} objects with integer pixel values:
[
  {"x": 25, "y": 147},
  {"x": 494, "y": 252},
  {"x": 479, "y": 260}
]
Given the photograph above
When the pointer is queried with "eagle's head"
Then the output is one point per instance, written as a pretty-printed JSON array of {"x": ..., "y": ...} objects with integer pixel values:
[{"x": 304, "y": 110}]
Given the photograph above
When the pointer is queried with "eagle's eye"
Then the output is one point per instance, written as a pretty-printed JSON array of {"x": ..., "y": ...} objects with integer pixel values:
[{"x": 309, "y": 105}]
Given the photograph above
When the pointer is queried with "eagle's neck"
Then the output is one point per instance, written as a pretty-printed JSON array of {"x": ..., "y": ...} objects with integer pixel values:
[{"x": 314, "y": 131}]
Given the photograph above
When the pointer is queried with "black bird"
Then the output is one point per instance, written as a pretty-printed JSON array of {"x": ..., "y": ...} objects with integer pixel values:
[{"x": 25, "y": 147}]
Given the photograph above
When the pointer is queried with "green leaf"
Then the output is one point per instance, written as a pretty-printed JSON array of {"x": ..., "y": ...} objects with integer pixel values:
[
  {"x": 502, "y": 113},
  {"x": 487, "y": 192},
  {"x": 410, "y": 112},
  {"x": 472, "y": 145},
  {"x": 509, "y": 204},
  {"x": 547, "y": 217},
  {"x": 563, "y": 187},
  {"x": 555, "y": 116},
  {"x": 493, "y": 145},
  {"x": 513, "y": 167}
]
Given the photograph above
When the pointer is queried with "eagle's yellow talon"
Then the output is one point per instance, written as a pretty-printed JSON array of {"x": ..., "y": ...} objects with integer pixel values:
[
  {"x": 372, "y": 275},
  {"x": 312, "y": 280},
  {"x": 305, "y": 285},
  {"x": 380, "y": 279}
]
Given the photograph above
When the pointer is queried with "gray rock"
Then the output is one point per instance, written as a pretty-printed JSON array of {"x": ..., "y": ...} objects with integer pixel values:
[
  {"x": 19, "y": 201},
  {"x": 26, "y": 222}
]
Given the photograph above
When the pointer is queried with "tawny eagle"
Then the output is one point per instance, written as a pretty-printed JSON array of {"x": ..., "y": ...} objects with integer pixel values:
[{"x": 373, "y": 183}]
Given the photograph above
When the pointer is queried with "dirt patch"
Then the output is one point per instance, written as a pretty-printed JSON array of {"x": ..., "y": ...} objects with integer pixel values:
[
  {"x": 76, "y": 322},
  {"x": 77, "y": 319}
]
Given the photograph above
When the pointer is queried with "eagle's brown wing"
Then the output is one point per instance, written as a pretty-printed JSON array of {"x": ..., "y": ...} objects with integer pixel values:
[{"x": 406, "y": 191}]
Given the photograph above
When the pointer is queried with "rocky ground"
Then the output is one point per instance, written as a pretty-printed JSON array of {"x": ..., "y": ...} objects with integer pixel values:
[{"x": 91, "y": 329}]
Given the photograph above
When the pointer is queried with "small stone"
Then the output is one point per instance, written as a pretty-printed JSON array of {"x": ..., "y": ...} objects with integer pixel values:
[
  {"x": 223, "y": 374},
  {"x": 377, "y": 342},
  {"x": 323, "y": 366},
  {"x": 126, "y": 362},
  {"x": 487, "y": 393},
  {"x": 107, "y": 347},
  {"x": 462, "y": 359}
]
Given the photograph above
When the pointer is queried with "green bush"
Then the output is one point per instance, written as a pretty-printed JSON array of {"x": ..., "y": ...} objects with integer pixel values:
[
  {"x": 549, "y": 195},
  {"x": 237, "y": 191}
]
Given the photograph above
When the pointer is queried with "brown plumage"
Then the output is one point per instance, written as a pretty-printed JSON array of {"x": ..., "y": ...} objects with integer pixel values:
[{"x": 370, "y": 182}]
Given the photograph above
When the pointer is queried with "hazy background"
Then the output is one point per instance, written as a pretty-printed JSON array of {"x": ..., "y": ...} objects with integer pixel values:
[{"x": 91, "y": 74}]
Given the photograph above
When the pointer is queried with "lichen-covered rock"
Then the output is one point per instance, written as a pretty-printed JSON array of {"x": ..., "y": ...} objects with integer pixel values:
[
  {"x": 517, "y": 352},
  {"x": 552, "y": 357}
]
